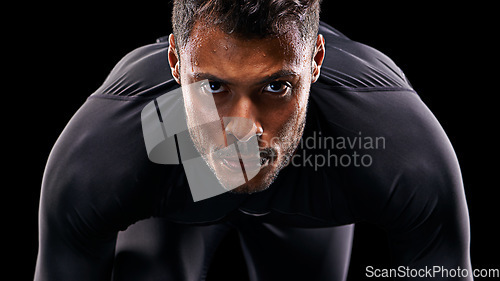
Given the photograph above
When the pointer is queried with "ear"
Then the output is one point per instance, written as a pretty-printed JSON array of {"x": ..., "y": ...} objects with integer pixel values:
[
  {"x": 173, "y": 60},
  {"x": 319, "y": 56}
]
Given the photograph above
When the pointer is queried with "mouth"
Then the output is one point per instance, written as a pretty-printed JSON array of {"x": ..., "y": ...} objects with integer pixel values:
[
  {"x": 265, "y": 158},
  {"x": 234, "y": 165},
  {"x": 247, "y": 162}
]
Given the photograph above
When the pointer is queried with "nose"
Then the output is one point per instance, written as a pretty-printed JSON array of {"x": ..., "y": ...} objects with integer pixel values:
[
  {"x": 241, "y": 129},
  {"x": 241, "y": 123}
]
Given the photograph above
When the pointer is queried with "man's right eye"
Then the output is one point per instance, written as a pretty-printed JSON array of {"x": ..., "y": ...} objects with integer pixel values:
[{"x": 213, "y": 87}]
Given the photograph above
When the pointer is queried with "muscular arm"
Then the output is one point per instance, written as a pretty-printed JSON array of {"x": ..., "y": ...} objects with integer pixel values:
[
  {"x": 421, "y": 201},
  {"x": 96, "y": 182},
  {"x": 98, "y": 179},
  {"x": 413, "y": 186}
]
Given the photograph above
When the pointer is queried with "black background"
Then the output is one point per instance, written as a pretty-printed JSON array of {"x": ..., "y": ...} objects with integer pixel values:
[{"x": 61, "y": 53}]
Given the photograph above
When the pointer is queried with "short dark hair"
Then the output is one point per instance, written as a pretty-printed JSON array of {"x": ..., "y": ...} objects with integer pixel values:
[{"x": 248, "y": 18}]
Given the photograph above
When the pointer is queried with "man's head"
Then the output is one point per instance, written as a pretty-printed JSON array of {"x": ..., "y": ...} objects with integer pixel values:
[{"x": 259, "y": 58}]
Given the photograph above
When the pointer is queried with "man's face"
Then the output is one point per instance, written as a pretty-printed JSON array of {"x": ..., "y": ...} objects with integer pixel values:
[{"x": 260, "y": 88}]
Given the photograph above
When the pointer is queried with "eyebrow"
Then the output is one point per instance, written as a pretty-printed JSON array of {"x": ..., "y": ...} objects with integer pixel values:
[{"x": 270, "y": 78}]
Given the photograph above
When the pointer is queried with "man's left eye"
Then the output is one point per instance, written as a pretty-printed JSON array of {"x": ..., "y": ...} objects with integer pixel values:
[{"x": 277, "y": 87}]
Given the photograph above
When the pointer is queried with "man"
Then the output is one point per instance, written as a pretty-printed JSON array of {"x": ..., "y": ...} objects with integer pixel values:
[{"x": 342, "y": 137}]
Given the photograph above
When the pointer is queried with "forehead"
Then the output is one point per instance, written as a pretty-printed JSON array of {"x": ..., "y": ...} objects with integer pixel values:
[{"x": 210, "y": 46}]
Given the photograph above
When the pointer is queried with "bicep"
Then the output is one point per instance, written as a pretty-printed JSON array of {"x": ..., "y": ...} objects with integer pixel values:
[
  {"x": 73, "y": 244},
  {"x": 413, "y": 187},
  {"x": 429, "y": 226},
  {"x": 97, "y": 181},
  {"x": 67, "y": 253},
  {"x": 421, "y": 199}
]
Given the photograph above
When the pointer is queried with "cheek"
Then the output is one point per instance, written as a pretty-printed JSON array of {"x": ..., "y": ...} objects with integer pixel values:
[
  {"x": 283, "y": 125},
  {"x": 202, "y": 117}
]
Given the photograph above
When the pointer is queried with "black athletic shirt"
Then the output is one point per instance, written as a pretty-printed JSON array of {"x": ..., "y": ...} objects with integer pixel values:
[{"x": 99, "y": 180}]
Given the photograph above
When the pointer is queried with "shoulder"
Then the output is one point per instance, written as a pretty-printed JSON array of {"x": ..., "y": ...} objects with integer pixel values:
[
  {"x": 352, "y": 64},
  {"x": 142, "y": 72},
  {"x": 366, "y": 103}
]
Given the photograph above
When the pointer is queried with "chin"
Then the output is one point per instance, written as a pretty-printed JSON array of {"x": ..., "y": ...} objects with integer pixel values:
[
  {"x": 249, "y": 188},
  {"x": 259, "y": 183}
]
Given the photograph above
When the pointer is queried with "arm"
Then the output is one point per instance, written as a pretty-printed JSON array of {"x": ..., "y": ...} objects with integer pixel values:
[
  {"x": 413, "y": 186},
  {"x": 97, "y": 181},
  {"x": 425, "y": 210},
  {"x": 429, "y": 225}
]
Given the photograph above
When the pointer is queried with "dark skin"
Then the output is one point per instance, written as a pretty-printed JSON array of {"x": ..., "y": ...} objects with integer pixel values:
[{"x": 265, "y": 81}]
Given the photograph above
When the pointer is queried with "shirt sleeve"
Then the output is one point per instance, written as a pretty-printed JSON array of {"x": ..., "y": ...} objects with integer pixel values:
[
  {"x": 410, "y": 183},
  {"x": 98, "y": 179}
]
